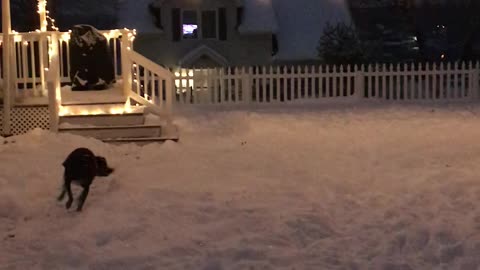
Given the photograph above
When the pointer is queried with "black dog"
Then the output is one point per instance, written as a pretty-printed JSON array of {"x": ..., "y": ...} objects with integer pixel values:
[{"x": 81, "y": 167}]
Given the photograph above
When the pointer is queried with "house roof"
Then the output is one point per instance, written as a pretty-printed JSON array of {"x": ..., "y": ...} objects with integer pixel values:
[
  {"x": 200, "y": 51},
  {"x": 259, "y": 17}
]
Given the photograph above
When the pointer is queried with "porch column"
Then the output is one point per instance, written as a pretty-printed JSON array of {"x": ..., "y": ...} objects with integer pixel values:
[
  {"x": 7, "y": 80},
  {"x": 42, "y": 12},
  {"x": 53, "y": 82},
  {"x": 126, "y": 63}
]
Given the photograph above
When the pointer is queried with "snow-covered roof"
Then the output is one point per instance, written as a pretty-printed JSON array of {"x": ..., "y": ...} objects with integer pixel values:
[
  {"x": 301, "y": 24},
  {"x": 259, "y": 17}
]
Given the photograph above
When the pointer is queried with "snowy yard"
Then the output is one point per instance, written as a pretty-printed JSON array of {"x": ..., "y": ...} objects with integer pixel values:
[{"x": 342, "y": 188}]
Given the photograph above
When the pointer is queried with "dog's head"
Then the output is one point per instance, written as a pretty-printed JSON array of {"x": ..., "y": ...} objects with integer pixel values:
[{"x": 102, "y": 167}]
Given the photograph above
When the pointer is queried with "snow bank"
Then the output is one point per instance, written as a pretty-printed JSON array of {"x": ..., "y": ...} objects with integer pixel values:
[{"x": 379, "y": 188}]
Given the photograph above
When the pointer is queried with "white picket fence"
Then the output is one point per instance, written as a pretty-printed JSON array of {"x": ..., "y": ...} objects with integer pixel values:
[{"x": 267, "y": 85}]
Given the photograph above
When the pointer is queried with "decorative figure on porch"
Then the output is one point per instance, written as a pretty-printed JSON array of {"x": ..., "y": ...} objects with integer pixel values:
[{"x": 90, "y": 59}]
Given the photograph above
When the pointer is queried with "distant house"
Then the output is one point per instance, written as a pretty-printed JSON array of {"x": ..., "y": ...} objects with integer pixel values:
[
  {"x": 389, "y": 25},
  {"x": 208, "y": 33},
  {"x": 449, "y": 30}
]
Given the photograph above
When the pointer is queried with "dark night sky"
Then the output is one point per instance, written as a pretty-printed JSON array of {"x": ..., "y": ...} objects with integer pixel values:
[{"x": 66, "y": 13}]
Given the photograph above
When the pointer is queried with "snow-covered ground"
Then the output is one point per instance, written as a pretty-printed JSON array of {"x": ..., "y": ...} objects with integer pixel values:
[{"x": 335, "y": 188}]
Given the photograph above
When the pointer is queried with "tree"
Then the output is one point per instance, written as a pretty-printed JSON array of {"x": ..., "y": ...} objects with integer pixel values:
[{"x": 340, "y": 44}]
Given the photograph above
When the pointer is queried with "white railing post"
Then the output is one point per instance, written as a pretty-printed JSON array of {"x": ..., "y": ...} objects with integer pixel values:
[
  {"x": 126, "y": 63},
  {"x": 359, "y": 83},
  {"x": 7, "y": 74},
  {"x": 42, "y": 50},
  {"x": 53, "y": 82}
]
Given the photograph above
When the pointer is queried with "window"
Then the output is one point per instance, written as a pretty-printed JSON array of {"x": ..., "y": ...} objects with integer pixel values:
[
  {"x": 156, "y": 13},
  {"x": 190, "y": 25},
  {"x": 195, "y": 24},
  {"x": 209, "y": 24},
  {"x": 239, "y": 17}
]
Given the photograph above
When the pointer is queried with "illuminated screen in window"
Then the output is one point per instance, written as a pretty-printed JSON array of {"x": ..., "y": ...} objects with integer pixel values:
[{"x": 189, "y": 29}]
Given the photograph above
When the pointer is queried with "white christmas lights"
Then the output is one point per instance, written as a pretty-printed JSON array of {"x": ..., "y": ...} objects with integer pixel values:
[{"x": 44, "y": 17}]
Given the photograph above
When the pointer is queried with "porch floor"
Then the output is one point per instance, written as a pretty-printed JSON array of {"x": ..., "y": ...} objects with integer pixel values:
[{"x": 69, "y": 97}]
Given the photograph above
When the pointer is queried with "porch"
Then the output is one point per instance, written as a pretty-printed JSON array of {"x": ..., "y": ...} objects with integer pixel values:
[{"x": 39, "y": 89}]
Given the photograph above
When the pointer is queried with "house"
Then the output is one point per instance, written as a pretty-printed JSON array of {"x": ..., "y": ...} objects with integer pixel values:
[
  {"x": 36, "y": 64},
  {"x": 200, "y": 33},
  {"x": 208, "y": 33}
]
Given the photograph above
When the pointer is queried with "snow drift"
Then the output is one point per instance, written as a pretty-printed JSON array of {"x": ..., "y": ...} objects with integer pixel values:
[{"x": 378, "y": 188}]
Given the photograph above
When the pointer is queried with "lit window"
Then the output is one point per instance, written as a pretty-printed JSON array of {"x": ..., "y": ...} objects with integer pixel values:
[{"x": 190, "y": 24}]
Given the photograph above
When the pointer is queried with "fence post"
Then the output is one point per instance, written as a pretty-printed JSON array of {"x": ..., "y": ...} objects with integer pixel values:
[
  {"x": 169, "y": 85},
  {"x": 247, "y": 84},
  {"x": 474, "y": 74},
  {"x": 53, "y": 83},
  {"x": 126, "y": 63},
  {"x": 168, "y": 105},
  {"x": 359, "y": 82}
]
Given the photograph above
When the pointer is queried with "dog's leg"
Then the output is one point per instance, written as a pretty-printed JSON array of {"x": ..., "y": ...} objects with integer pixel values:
[
  {"x": 62, "y": 193},
  {"x": 69, "y": 193},
  {"x": 83, "y": 197}
]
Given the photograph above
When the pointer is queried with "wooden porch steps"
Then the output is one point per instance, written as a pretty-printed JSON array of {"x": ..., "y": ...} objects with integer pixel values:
[
  {"x": 115, "y": 128},
  {"x": 103, "y": 120},
  {"x": 107, "y": 132},
  {"x": 140, "y": 141}
]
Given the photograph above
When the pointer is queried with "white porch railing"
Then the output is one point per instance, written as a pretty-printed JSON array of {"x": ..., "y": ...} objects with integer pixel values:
[
  {"x": 40, "y": 62},
  {"x": 31, "y": 53},
  {"x": 265, "y": 85},
  {"x": 147, "y": 83}
]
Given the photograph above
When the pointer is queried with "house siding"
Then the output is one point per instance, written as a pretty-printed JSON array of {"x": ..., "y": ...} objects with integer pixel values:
[{"x": 237, "y": 49}]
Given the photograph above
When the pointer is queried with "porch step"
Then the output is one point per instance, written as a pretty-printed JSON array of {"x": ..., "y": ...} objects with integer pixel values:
[
  {"x": 141, "y": 141},
  {"x": 102, "y": 120},
  {"x": 93, "y": 103},
  {"x": 113, "y": 94},
  {"x": 107, "y": 121},
  {"x": 116, "y": 132},
  {"x": 99, "y": 108}
]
